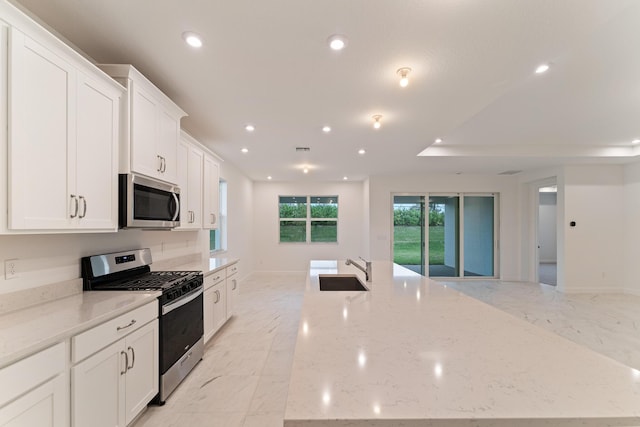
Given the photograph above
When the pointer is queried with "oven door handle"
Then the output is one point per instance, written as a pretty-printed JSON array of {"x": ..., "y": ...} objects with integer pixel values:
[{"x": 182, "y": 301}]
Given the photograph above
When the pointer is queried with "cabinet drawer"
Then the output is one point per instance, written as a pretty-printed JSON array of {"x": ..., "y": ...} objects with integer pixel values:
[
  {"x": 28, "y": 373},
  {"x": 89, "y": 342},
  {"x": 232, "y": 269},
  {"x": 214, "y": 279}
]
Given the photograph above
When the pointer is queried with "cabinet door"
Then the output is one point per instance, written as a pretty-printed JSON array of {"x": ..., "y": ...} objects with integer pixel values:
[
  {"x": 96, "y": 158},
  {"x": 167, "y": 145},
  {"x": 195, "y": 185},
  {"x": 232, "y": 294},
  {"x": 211, "y": 185},
  {"x": 46, "y": 405},
  {"x": 183, "y": 183},
  {"x": 41, "y": 105},
  {"x": 98, "y": 389},
  {"x": 145, "y": 159},
  {"x": 219, "y": 306},
  {"x": 142, "y": 371}
]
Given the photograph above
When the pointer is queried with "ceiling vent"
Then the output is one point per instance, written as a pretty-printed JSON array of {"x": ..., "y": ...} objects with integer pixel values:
[
  {"x": 509, "y": 172},
  {"x": 303, "y": 149}
]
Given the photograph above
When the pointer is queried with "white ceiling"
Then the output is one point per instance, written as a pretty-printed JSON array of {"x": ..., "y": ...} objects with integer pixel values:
[{"x": 473, "y": 82}]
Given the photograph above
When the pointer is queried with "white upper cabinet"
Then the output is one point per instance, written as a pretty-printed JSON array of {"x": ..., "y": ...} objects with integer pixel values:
[
  {"x": 150, "y": 126},
  {"x": 62, "y": 139},
  {"x": 211, "y": 189},
  {"x": 190, "y": 165}
]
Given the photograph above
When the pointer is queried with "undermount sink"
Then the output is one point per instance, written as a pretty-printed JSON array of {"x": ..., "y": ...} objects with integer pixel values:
[{"x": 340, "y": 282}]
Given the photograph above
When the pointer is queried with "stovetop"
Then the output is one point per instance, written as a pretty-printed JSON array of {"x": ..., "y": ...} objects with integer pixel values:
[{"x": 151, "y": 281}]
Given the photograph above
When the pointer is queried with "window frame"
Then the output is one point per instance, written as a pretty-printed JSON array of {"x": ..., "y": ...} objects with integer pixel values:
[
  {"x": 309, "y": 219},
  {"x": 221, "y": 231}
]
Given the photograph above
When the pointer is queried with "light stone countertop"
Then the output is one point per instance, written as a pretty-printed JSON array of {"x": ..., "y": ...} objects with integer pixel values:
[
  {"x": 208, "y": 266},
  {"x": 32, "y": 329},
  {"x": 411, "y": 352}
]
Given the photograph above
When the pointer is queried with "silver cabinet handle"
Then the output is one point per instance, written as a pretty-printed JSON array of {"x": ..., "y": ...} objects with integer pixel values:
[
  {"x": 84, "y": 206},
  {"x": 217, "y": 293},
  {"x": 75, "y": 212},
  {"x": 213, "y": 218},
  {"x": 163, "y": 164},
  {"x": 126, "y": 363},
  {"x": 133, "y": 322},
  {"x": 235, "y": 284},
  {"x": 159, "y": 163},
  {"x": 133, "y": 357}
]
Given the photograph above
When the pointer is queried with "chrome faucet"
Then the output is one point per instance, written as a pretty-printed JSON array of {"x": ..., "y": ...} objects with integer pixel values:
[{"x": 366, "y": 270}]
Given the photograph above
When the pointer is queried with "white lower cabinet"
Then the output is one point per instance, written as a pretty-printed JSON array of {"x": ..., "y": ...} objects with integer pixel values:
[
  {"x": 233, "y": 289},
  {"x": 111, "y": 387},
  {"x": 215, "y": 304},
  {"x": 37, "y": 390}
]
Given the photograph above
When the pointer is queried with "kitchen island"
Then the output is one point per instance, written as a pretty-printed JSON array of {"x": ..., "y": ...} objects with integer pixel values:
[{"x": 411, "y": 352}]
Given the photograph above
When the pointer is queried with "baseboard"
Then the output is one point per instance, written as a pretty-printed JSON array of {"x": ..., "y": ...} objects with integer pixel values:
[{"x": 597, "y": 290}]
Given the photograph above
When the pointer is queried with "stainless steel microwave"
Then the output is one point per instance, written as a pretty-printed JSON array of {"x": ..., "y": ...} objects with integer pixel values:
[{"x": 147, "y": 203}]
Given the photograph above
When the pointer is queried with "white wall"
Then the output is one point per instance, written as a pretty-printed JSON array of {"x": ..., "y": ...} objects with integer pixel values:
[
  {"x": 271, "y": 255},
  {"x": 594, "y": 199},
  {"x": 547, "y": 229},
  {"x": 240, "y": 217},
  {"x": 630, "y": 249},
  {"x": 380, "y": 199}
]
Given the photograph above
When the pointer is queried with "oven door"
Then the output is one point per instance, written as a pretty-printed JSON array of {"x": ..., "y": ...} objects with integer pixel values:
[
  {"x": 147, "y": 203},
  {"x": 181, "y": 326}
]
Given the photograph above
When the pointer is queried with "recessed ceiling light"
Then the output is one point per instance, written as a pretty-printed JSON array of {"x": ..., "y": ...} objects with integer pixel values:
[
  {"x": 326, "y": 129},
  {"x": 636, "y": 141},
  {"x": 543, "y": 68},
  {"x": 337, "y": 42},
  {"x": 345, "y": 178},
  {"x": 245, "y": 150},
  {"x": 192, "y": 39},
  {"x": 269, "y": 178},
  {"x": 249, "y": 128},
  {"x": 438, "y": 140},
  {"x": 305, "y": 170},
  {"x": 361, "y": 151}
]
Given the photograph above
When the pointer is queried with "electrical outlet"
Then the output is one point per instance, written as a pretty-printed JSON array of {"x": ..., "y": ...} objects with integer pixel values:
[{"x": 10, "y": 269}]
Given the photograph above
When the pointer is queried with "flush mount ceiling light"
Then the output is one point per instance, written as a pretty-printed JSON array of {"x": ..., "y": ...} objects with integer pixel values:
[
  {"x": 249, "y": 128},
  {"x": 376, "y": 121},
  {"x": 361, "y": 151},
  {"x": 245, "y": 150},
  {"x": 326, "y": 129},
  {"x": 635, "y": 141},
  {"x": 404, "y": 76},
  {"x": 438, "y": 140},
  {"x": 192, "y": 39},
  {"x": 337, "y": 42},
  {"x": 543, "y": 68}
]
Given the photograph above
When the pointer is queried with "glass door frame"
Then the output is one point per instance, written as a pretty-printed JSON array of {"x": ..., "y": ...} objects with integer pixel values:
[{"x": 425, "y": 231}]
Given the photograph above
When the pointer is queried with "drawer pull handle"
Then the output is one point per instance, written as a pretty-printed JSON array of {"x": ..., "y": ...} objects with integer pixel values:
[
  {"x": 187, "y": 358},
  {"x": 133, "y": 321},
  {"x": 126, "y": 363},
  {"x": 133, "y": 357}
]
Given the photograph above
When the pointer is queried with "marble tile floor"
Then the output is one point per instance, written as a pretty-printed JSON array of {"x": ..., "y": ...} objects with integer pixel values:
[
  {"x": 243, "y": 378},
  {"x": 606, "y": 323}
]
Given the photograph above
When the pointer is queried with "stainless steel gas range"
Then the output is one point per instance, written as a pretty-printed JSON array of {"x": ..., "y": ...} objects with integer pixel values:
[{"x": 179, "y": 311}]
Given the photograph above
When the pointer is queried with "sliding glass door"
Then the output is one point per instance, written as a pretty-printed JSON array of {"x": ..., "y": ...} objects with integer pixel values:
[
  {"x": 446, "y": 235},
  {"x": 409, "y": 232}
]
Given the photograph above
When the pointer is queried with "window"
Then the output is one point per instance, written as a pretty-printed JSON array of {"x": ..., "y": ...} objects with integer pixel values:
[
  {"x": 218, "y": 237},
  {"x": 305, "y": 219}
]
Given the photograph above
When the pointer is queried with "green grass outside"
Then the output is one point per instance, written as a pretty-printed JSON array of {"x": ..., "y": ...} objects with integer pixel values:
[
  {"x": 406, "y": 245},
  {"x": 295, "y": 231}
]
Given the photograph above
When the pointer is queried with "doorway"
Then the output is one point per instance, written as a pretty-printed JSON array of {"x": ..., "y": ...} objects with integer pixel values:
[{"x": 547, "y": 268}]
